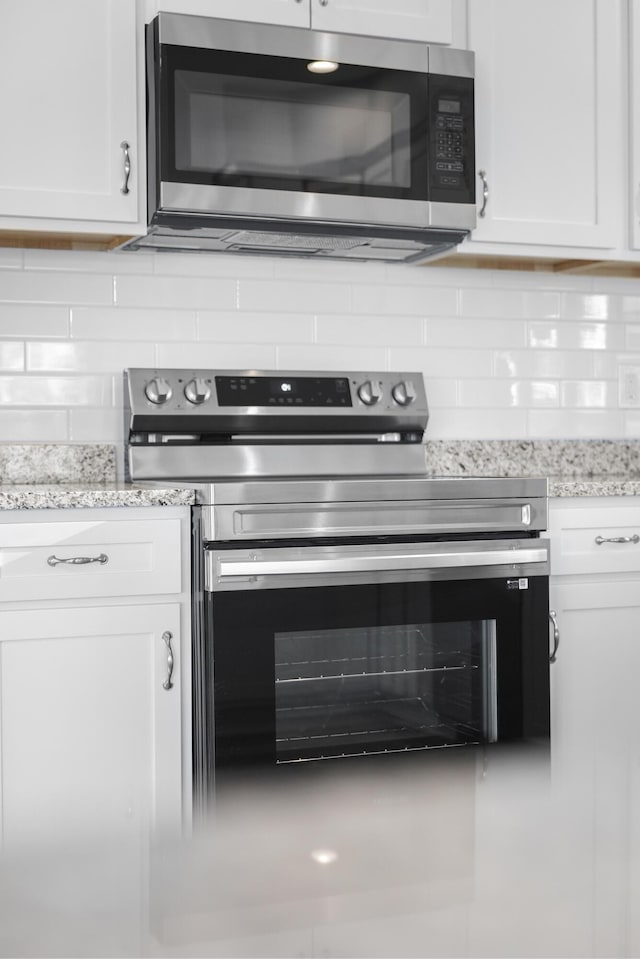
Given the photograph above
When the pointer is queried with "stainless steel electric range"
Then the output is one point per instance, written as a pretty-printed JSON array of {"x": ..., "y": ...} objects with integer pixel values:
[{"x": 347, "y": 605}]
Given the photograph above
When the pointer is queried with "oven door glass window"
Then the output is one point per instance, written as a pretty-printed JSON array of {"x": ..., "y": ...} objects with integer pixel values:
[
  {"x": 246, "y": 120},
  {"x": 341, "y": 692},
  {"x": 296, "y": 674}
]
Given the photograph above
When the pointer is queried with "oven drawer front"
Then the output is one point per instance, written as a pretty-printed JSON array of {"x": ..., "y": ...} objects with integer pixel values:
[
  {"x": 272, "y": 568},
  {"x": 255, "y": 521},
  {"x": 86, "y": 559}
]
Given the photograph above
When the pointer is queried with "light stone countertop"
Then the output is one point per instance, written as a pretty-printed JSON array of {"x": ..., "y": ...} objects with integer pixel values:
[
  {"x": 62, "y": 476},
  {"x": 89, "y": 496}
]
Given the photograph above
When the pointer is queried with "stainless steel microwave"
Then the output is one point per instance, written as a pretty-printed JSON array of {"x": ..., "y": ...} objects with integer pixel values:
[{"x": 269, "y": 139}]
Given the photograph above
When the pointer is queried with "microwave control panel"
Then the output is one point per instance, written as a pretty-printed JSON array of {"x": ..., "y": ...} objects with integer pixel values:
[{"x": 452, "y": 159}]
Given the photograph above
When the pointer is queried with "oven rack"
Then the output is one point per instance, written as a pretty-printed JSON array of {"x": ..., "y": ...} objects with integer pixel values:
[{"x": 384, "y": 672}]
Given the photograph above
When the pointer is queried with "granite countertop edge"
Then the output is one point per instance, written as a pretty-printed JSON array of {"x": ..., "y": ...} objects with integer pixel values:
[
  {"x": 97, "y": 495},
  {"x": 90, "y": 496}
]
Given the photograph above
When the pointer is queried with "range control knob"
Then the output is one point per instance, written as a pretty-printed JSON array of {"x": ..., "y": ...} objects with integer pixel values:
[
  {"x": 370, "y": 393},
  {"x": 403, "y": 393},
  {"x": 197, "y": 391},
  {"x": 158, "y": 390}
]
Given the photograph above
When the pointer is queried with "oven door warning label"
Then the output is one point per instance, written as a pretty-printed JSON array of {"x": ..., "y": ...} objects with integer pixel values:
[{"x": 522, "y": 583}]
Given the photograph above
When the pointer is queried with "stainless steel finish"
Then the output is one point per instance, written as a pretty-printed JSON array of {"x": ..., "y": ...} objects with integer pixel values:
[
  {"x": 246, "y": 521},
  {"x": 490, "y": 659},
  {"x": 286, "y": 208},
  {"x": 556, "y": 635},
  {"x": 404, "y": 393},
  {"x": 192, "y": 463},
  {"x": 301, "y": 43},
  {"x": 124, "y": 146},
  {"x": 158, "y": 391},
  {"x": 78, "y": 560},
  {"x": 167, "y": 637},
  {"x": 369, "y": 392},
  {"x": 197, "y": 391},
  {"x": 281, "y": 568},
  {"x": 599, "y": 540},
  {"x": 485, "y": 192}
]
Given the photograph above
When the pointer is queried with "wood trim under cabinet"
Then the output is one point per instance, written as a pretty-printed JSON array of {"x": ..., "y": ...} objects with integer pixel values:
[{"x": 26, "y": 240}]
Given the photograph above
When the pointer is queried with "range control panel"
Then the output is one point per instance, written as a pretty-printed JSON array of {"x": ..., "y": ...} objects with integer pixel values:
[
  {"x": 200, "y": 400},
  {"x": 175, "y": 391}
]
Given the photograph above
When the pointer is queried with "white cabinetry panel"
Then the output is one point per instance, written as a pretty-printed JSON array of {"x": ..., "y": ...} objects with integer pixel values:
[
  {"x": 549, "y": 121},
  {"x": 293, "y": 13},
  {"x": 89, "y": 738},
  {"x": 69, "y": 75}
]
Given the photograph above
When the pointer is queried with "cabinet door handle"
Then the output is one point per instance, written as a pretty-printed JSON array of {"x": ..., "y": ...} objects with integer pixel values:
[
  {"x": 556, "y": 635},
  {"x": 617, "y": 539},
  {"x": 124, "y": 146},
  {"x": 78, "y": 560},
  {"x": 168, "y": 636},
  {"x": 485, "y": 192}
]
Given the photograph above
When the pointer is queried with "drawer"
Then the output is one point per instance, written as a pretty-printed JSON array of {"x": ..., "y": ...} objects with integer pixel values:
[
  {"x": 118, "y": 558},
  {"x": 595, "y": 540}
]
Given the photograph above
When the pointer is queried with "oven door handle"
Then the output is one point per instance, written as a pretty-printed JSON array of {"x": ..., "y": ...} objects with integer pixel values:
[{"x": 377, "y": 563}]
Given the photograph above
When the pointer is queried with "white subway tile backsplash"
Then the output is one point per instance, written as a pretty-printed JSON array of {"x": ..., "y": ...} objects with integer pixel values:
[
  {"x": 28, "y": 321},
  {"x": 505, "y": 355},
  {"x": 576, "y": 335},
  {"x": 454, "y": 363},
  {"x": 576, "y": 424},
  {"x": 33, "y": 426},
  {"x": 488, "y": 424},
  {"x": 421, "y": 300},
  {"x": 11, "y": 356},
  {"x": 297, "y": 296},
  {"x": 176, "y": 292},
  {"x": 255, "y": 327},
  {"x": 353, "y": 330},
  {"x": 227, "y": 356},
  {"x": 336, "y": 358},
  {"x": 30, "y": 286},
  {"x": 544, "y": 364},
  {"x": 508, "y": 393},
  {"x": 64, "y": 391},
  {"x": 130, "y": 324},
  {"x": 89, "y": 357},
  {"x": 473, "y": 334}
]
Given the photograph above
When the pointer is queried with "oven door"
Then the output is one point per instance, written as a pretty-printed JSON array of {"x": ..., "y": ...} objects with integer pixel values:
[
  {"x": 241, "y": 126},
  {"x": 311, "y": 653}
]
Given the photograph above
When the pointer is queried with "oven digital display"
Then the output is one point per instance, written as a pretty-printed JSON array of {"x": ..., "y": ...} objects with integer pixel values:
[{"x": 270, "y": 391}]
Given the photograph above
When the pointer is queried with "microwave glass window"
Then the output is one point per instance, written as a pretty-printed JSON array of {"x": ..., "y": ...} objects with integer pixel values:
[
  {"x": 246, "y": 127},
  {"x": 348, "y": 691}
]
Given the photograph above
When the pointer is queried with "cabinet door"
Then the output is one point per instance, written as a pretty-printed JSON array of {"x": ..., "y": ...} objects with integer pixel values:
[
  {"x": 90, "y": 740},
  {"x": 430, "y": 20},
  {"x": 634, "y": 120},
  {"x": 595, "y": 739},
  {"x": 549, "y": 121},
  {"x": 292, "y": 13},
  {"x": 68, "y": 72}
]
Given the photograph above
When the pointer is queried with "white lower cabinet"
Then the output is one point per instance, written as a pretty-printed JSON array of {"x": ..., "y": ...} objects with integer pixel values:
[
  {"x": 90, "y": 733},
  {"x": 595, "y": 734},
  {"x": 94, "y": 685}
]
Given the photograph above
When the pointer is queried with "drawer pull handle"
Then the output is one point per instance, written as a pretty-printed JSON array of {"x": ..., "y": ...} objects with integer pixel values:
[
  {"x": 556, "y": 635},
  {"x": 78, "y": 560},
  {"x": 168, "y": 636},
  {"x": 617, "y": 539}
]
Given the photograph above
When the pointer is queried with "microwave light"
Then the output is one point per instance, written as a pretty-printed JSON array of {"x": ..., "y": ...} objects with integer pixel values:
[{"x": 322, "y": 66}]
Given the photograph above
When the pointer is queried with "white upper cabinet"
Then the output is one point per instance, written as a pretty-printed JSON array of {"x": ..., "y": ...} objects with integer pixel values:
[
  {"x": 429, "y": 20},
  {"x": 68, "y": 109},
  {"x": 292, "y": 13},
  {"x": 405, "y": 20},
  {"x": 550, "y": 122},
  {"x": 634, "y": 120}
]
